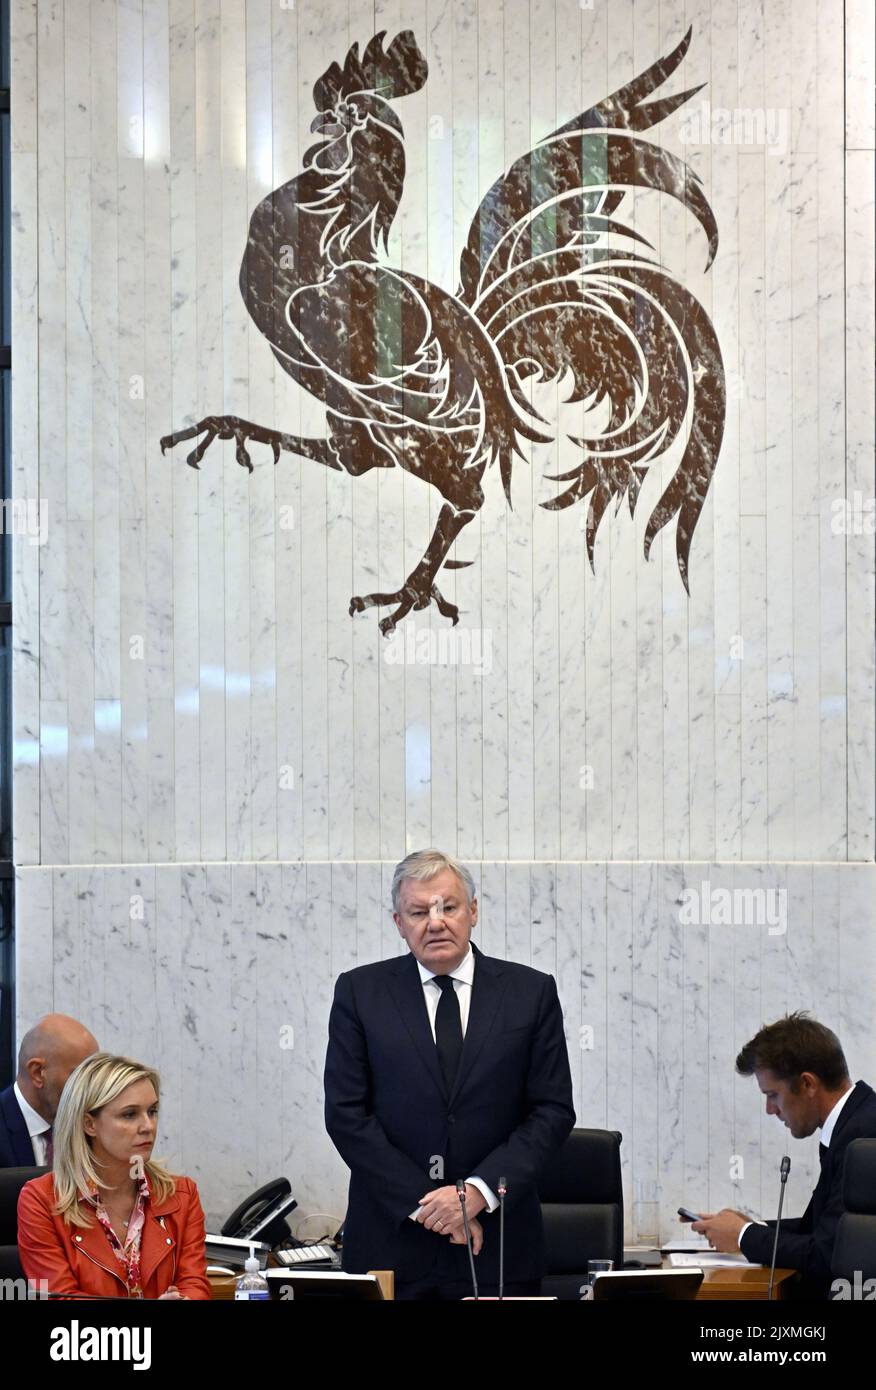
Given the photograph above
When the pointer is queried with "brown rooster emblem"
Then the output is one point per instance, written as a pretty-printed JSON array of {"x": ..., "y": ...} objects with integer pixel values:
[{"x": 551, "y": 288}]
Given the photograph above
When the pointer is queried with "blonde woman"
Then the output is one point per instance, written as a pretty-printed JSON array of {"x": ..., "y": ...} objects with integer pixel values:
[{"x": 109, "y": 1221}]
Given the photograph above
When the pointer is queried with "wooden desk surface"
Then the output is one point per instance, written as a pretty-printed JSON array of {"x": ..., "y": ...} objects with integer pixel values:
[{"x": 744, "y": 1281}]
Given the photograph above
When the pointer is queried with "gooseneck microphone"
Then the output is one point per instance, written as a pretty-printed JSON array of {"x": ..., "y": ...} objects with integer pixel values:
[
  {"x": 785, "y": 1170},
  {"x": 460, "y": 1190},
  {"x": 502, "y": 1190}
]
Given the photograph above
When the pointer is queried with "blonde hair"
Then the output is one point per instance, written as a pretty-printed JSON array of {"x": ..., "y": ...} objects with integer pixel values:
[{"x": 93, "y": 1084}]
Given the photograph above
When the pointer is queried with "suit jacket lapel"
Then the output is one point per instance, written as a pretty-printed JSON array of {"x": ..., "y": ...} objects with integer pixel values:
[
  {"x": 93, "y": 1242},
  {"x": 856, "y": 1099},
  {"x": 823, "y": 1186},
  {"x": 487, "y": 990},
  {"x": 22, "y": 1144},
  {"x": 156, "y": 1240},
  {"x": 406, "y": 988}
]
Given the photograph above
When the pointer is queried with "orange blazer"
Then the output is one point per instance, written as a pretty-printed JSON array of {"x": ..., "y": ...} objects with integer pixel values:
[{"x": 78, "y": 1259}]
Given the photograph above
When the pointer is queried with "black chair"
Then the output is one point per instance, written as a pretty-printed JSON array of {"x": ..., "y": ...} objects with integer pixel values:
[
  {"x": 12, "y": 1180},
  {"x": 854, "y": 1250},
  {"x": 582, "y": 1205}
]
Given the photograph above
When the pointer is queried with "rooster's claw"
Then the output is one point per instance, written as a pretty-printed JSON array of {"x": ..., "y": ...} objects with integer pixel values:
[{"x": 416, "y": 596}]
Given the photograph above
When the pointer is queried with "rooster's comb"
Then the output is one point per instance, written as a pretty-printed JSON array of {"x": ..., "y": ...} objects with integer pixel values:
[{"x": 402, "y": 69}]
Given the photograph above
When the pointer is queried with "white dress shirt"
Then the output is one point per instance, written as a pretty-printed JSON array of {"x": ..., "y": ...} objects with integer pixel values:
[
  {"x": 829, "y": 1125},
  {"x": 37, "y": 1127},
  {"x": 827, "y": 1130},
  {"x": 463, "y": 980}
]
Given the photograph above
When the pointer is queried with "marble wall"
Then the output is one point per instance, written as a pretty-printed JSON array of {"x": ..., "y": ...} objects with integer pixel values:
[
  {"x": 190, "y": 685},
  {"x": 225, "y": 973},
  {"x": 200, "y": 723}
]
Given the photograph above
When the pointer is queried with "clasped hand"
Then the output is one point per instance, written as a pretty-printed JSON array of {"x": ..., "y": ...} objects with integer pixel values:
[{"x": 441, "y": 1212}]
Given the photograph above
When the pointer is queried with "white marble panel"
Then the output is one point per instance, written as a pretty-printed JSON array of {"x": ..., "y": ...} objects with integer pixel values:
[
  {"x": 249, "y": 506},
  {"x": 25, "y": 476},
  {"x": 470, "y": 683},
  {"x": 159, "y": 482},
  {"x": 520, "y": 592},
  {"x": 860, "y": 38},
  {"x": 831, "y": 435},
  {"x": 223, "y": 977},
  {"x": 778, "y": 415},
  {"x": 495, "y": 521},
  {"x": 617, "y": 716},
  {"x": 260, "y": 157},
  {"x": 218, "y": 486},
  {"x": 860, "y": 485},
  {"x": 184, "y": 405}
]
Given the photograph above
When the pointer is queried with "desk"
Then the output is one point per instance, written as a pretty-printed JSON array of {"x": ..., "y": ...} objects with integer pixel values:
[
  {"x": 745, "y": 1281},
  {"x": 739, "y": 1282},
  {"x": 222, "y": 1285}
]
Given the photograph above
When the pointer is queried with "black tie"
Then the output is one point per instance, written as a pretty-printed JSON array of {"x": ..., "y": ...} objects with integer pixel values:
[{"x": 448, "y": 1030}]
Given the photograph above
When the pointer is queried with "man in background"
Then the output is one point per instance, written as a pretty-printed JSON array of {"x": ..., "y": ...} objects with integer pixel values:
[
  {"x": 48, "y": 1054},
  {"x": 801, "y": 1069}
]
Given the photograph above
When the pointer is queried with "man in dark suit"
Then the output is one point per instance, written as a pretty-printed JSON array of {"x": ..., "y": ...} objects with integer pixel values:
[
  {"x": 48, "y": 1054},
  {"x": 801, "y": 1069},
  {"x": 443, "y": 1065}
]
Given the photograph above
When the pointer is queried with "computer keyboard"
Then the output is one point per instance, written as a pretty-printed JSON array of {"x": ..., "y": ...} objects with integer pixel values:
[{"x": 306, "y": 1255}]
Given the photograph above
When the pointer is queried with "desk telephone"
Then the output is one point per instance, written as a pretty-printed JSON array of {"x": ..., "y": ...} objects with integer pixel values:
[{"x": 261, "y": 1217}]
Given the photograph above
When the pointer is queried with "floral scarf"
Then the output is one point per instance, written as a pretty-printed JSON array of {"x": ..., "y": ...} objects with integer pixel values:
[{"x": 128, "y": 1255}]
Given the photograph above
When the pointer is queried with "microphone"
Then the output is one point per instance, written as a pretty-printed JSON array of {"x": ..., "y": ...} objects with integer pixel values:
[
  {"x": 785, "y": 1170},
  {"x": 460, "y": 1191},
  {"x": 502, "y": 1190}
]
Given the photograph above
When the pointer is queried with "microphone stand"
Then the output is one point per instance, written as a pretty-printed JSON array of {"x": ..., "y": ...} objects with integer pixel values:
[
  {"x": 785, "y": 1170},
  {"x": 502, "y": 1190},
  {"x": 460, "y": 1189}
]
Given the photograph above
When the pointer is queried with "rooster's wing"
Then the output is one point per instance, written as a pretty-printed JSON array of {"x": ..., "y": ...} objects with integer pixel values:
[{"x": 545, "y": 274}]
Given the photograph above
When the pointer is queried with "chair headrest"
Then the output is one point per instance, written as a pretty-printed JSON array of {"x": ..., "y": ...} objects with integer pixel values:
[
  {"x": 12, "y": 1180},
  {"x": 586, "y": 1169}
]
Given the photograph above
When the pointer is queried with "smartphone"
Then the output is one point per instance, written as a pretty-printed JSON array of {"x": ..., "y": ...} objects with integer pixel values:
[{"x": 687, "y": 1215}]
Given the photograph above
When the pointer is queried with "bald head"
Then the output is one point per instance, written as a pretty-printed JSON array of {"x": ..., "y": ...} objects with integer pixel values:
[{"x": 49, "y": 1052}]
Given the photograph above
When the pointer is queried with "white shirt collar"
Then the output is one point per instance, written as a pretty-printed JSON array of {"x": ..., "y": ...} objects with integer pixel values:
[
  {"x": 464, "y": 971},
  {"x": 829, "y": 1125},
  {"x": 36, "y": 1125}
]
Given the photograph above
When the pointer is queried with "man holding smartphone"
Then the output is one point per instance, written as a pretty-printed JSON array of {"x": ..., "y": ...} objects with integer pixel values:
[{"x": 801, "y": 1070}]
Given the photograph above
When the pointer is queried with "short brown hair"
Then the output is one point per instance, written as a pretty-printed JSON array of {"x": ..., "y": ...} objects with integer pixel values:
[{"x": 795, "y": 1044}]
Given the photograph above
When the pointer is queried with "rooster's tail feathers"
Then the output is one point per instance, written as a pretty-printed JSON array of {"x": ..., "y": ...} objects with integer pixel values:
[
  {"x": 624, "y": 109},
  {"x": 679, "y": 381}
]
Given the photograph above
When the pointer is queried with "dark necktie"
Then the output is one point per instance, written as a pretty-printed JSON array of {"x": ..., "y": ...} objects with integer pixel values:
[
  {"x": 448, "y": 1030},
  {"x": 50, "y": 1147}
]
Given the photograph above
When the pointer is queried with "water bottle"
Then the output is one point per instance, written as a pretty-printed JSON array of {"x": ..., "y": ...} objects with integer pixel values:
[{"x": 251, "y": 1284}]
